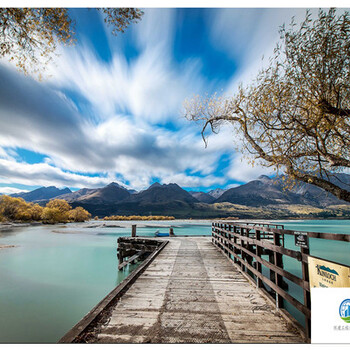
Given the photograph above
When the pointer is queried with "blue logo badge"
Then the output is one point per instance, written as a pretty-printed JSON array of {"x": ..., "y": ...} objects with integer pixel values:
[{"x": 344, "y": 310}]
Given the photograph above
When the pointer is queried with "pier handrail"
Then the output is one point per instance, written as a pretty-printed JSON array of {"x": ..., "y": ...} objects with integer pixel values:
[{"x": 246, "y": 242}]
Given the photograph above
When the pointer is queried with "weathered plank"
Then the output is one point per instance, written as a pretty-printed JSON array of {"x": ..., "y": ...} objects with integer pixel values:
[
  {"x": 130, "y": 260},
  {"x": 192, "y": 294}
]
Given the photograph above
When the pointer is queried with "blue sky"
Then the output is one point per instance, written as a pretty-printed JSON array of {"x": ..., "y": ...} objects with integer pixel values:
[{"x": 110, "y": 107}]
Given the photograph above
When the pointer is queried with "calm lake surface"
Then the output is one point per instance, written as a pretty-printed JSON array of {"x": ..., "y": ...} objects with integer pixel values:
[{"x": 56, "y": 274}]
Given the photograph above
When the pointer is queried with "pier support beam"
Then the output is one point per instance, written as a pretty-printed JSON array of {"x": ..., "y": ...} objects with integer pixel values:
[
  {"x": 307, "y": 298},
  {"x": 133, "y": 230}
]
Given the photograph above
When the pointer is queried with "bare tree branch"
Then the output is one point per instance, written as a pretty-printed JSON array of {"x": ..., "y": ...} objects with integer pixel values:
[{"x": 295, "y": 115}]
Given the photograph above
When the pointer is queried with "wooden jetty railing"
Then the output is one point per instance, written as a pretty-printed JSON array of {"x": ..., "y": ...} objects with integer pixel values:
[
  {"x": 246, "y": 244},
  {"x": 134, "y": 248}
]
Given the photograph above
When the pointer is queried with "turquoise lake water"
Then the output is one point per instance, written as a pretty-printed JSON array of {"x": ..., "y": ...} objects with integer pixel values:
[{"x": 56, "y": 274}]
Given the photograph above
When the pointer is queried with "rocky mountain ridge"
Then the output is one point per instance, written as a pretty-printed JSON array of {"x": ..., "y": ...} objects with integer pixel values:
[{"x": 165, "y": 198}]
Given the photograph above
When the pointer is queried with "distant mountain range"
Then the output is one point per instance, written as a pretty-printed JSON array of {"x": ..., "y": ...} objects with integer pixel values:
[
  {"x": 216, "y": 193},
  {"x": 42, "y": 193},
  {"x": 270, "y": 191},
  {"x": 171, "y": 199},
  {"x": 203, "y": 197}
]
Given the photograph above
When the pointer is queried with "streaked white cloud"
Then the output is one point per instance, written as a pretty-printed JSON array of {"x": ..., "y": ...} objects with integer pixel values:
[
  {"x": 121, "y": 137},
  {"x": 10, "y": 190},
  {"x": 157, "y": 28},
  {"x": 42, "y": 174},
  {"x": 184, "y": 180},
  {"x": 150, "y": 88},
  {"x": 118, "y": 145},
  {"x": 249, "y": 36},
  {"x": 241, "y": 169}
]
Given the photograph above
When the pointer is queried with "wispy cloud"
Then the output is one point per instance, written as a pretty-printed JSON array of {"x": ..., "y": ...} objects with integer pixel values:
[
  {"x": 35, "y": 117},
  {"x": 250, "y": 35},
  {"x": 157, "y": 29},
  {"x": 150, "y": 88},
  {"x": 241, "y": 169},
  {"x": 184, "y": 180},
  {"x": 43, "y": 174},
  {"x": 10, "y": 190},
  {"x": 98, "y": 120}
]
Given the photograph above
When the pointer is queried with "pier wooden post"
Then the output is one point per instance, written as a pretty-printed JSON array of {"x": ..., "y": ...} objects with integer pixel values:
[
  {"x": 230, "y": 239},
  {"x": 133, "y": 230},
  {"x": 235, "y": 250},
  {"x": 216, "y": 235},
  {"x": 307, "y": 298},
  {"x": 272, "y": 261},
  {"x": 259, "y": 283},
  {"x": 120, "y": 257},
  {"x": 279, "y": 263},
  {"x": 212, "y": 232},
  {"x": 249, "y": 246},
  {"x": 225, "y": 242},
  {"x": 242, "y": 252}
]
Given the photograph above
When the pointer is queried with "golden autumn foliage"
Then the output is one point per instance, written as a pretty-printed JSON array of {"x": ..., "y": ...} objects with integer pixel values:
[
  {"x": 9, "y": 207},
  {"x": 138, "y": 217},
  {"x": 55, "y": 211},
  {"x": 295, "y": 116},
  {"x": 59, "y": 204},
  {"x": 79, "y": 214},
  {"x": 120, "y": 18},
  {"x": 29, "y": 36},
  {"x": 37, "y": 211},
  {"x": 17, "y": 209}
]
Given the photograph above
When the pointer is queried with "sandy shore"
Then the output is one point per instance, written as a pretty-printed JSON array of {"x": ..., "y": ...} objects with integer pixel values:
[
  {"x": 150, "y": 224},
  {"x": 10, "y": 225},
  {"x": 4, "y": 246}
]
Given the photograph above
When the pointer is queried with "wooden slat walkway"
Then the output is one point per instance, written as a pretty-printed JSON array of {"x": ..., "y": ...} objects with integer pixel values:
[{"x": 191, "y": 293}]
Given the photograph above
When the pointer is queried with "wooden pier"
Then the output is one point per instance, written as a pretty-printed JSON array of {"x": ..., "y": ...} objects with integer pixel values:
[
  {"x": 192, "y": 294},
  {"x": 201, "y": 290}
]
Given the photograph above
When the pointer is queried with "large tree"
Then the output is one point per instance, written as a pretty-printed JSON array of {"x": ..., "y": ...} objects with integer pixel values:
[
  {"x": 295, "y": 116},
  {"x": 29, "y": 36}
]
